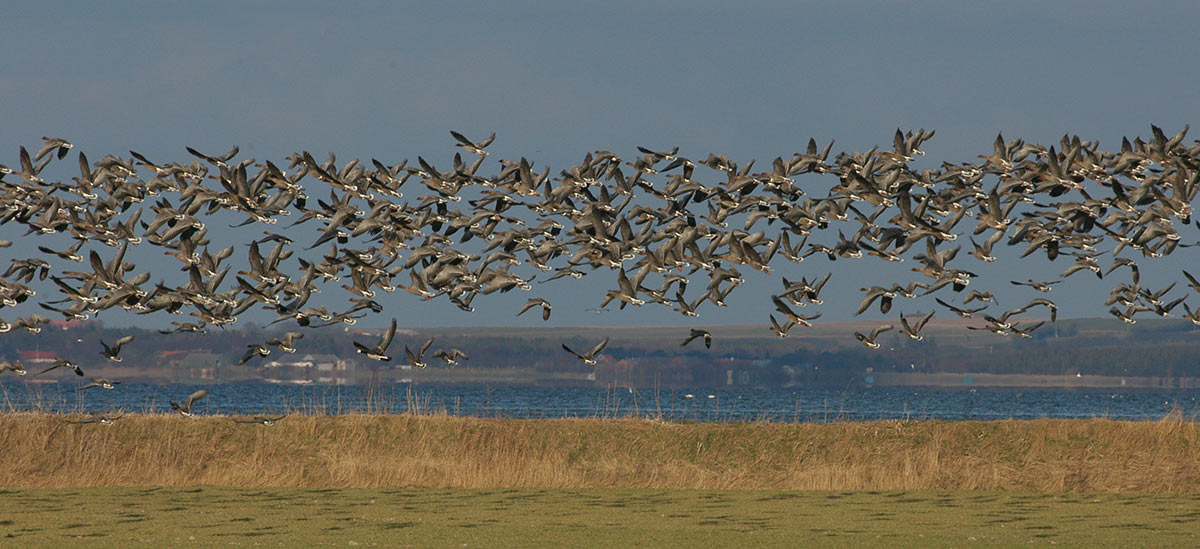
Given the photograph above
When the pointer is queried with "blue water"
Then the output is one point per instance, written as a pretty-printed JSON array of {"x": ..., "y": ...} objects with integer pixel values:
[{"x": 777, "y": 405}]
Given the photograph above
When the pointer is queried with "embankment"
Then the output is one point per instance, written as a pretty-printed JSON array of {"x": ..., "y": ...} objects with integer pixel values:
[{"x": 1093, "y": 455}]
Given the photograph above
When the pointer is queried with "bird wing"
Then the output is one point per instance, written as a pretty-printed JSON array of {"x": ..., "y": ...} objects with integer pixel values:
[
  {"x": 424, "y": 347},
  {"x": 387, "y": 337},
  {"x": 598, "y": 347},
  {"x": 192, "y": 398}
]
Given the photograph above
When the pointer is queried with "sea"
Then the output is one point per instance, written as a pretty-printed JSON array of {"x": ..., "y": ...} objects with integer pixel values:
[{"x": 793, "y": 405}]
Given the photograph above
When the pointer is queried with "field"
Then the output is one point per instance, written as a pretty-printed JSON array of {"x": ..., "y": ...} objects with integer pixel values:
[
  {"x": 437, "y": 480},
  {"x": 589, "y": 517}
]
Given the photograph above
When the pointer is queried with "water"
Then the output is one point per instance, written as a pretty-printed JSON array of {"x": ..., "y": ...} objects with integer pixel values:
[{"x": 778, "y": 405}]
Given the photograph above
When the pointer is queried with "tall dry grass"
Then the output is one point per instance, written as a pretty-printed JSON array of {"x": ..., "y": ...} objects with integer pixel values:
[{"x": 1096, "y": 455}]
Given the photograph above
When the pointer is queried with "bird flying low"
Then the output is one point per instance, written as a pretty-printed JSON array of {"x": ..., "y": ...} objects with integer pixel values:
[{"x": 589, "y": 357}]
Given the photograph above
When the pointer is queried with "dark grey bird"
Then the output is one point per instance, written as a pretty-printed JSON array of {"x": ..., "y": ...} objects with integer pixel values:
[
  {"x": 451, "y": 357},
  {"x": 253, "y": 350},
  {"x": 1039, "y": 286},
  {"x": 869, "y": 340},
  {"x": 185, "y": 408},
  {"x": 536, "y": 302},
  {"x": 474, "y": 147},
  {"x": 95, "y": 417},
  {"x": 261, "y": 420},
  {"x": 589, "y": 357},
  {"x": 379, "y": 351},
  {"x": 418, "y": 359},
  {"x": 286, "y": 343},
  {"x": 101, "y": 382},
  {"x": 913, "y": 330},
  {"x": 14, "y": 366},
  {"x": 111, "y": 351},
  {"x": 60, "y": 362},
  {"x": 695, "y": 333}
]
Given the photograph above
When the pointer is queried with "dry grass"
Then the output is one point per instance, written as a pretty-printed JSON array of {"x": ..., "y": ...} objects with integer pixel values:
[{"x": 438, "y": 451}]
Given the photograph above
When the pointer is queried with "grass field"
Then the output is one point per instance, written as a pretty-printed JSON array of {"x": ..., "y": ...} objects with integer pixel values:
[
  {"x": 119, "y": 517},
  {"x": 439, "y": 451},
  {"x": 440, "y": 480}
]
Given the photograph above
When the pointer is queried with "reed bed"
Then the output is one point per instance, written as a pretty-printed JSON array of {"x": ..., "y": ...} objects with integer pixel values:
[{"x": 443, "y": 451}]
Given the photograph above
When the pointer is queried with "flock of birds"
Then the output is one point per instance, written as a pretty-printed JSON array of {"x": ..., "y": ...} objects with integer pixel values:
[{"x": 674, "y": 231}]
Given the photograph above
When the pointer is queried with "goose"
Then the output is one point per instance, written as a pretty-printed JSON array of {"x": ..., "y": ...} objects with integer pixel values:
[
  {"x": 185, "y": 408},
  {"x": 869, "y": 340},
  {"x": 60, "y": 362},
  {"x": 286, "y": 343},
  {"x": 95, "y": 417},
  {"x": 253, "y": 350},
  {"x": 965, "y": 313},
  {"x": 534, "y": 302},
  {"x": 261, "y": 420},
  {"x": 103, "y": 383},
  {"x": 1039, "y": 286},
  {"x": 111, "y": 352},
  {"x": 472, "y": 146},
  {"x": 451, "y": 357},
  {"x": 588, "y": 358},
  {"x": 379, "y": 351},
  {"x": 17, "y": 368},
  {"x": 53, "y": 144},
  {"x": 418, "y": 359},
  {"x": 913, "y": 330},
  {"x": 695, "y": 333}
]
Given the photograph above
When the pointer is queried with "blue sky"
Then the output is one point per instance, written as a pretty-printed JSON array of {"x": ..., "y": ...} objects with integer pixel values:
[{"x": 389, "y": 80}]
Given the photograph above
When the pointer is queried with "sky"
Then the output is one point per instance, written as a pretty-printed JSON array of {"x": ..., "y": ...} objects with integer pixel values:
[{"x": 554, "y": 81}]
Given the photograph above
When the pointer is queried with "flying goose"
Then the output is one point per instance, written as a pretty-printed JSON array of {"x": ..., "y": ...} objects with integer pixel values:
[
  {"x": 103, "y": 383},
  {"x": 111, "y": 352},
  {"x": 96, "y": 417},
  {"x": 913, "y": 330},
  {"x": 286, "y": 343},
  {"x": 450, "y": 357},
  {"x": 417, "y": 359},
  {"x": 261, "y": 420},
  {"x": 185, "y": 409},
  {"x": 16, "y": 367},
  {"x": 472, "y": 146},
  {"x": 536, "y": 302},
  {"x": 253, "y": 350},
  {"x": 695, "y": 333},
  {"x": 588, "y": 358},
  {"x": 60, "y": 362},
  {"x": 869, "y": 340},
  {"x": 379, "y": 351}
]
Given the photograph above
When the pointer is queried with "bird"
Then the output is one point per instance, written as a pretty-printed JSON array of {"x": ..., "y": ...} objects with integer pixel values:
[
  {"x": 1039, "y": 286},
  {"x": 286, "y": 343},
  {"x": 913, "y": 330},
  {"x": 695, "y": 333},
  {"x": 95, "y": 417},
  {"x": 869, "y": 340},
  {"x": 253, "y": 350},
  {"x": 588, "y": 358},
  {"x": 418, "y": 359},
  {"x": 379, "y": 351},
  {"x": 450, "y": 357},
  {"x": 103, "y": 383},
  {"x": 14, "y": 366},
  {"x": 535, "y": 302},
  {"x": 185, "y": 408},
  {"x": 471, "y": 146},
  {"x": 110, "y": 352},
  {"x": 60, "y": 362},
  {"x": 261, "y": 420}
]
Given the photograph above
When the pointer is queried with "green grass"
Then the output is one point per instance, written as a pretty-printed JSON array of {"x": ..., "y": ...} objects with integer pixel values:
[{"x": 120, "y": 517}]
